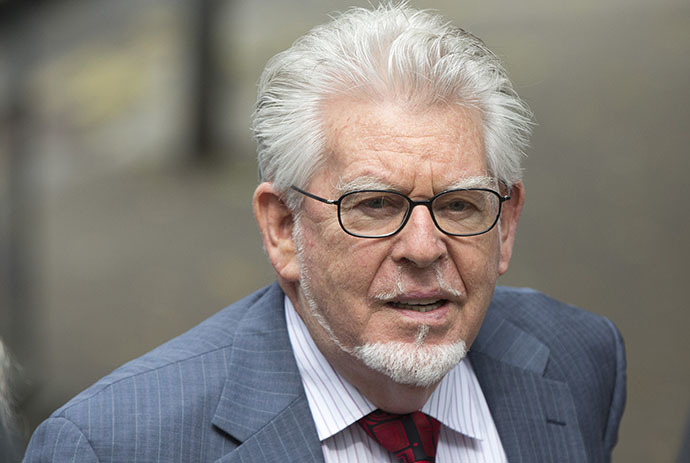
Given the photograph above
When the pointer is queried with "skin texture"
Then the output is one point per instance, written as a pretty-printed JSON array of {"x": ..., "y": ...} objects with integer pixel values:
[{"x": 419, "y": 153}]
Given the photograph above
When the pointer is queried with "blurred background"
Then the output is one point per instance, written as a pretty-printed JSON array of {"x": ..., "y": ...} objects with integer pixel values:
[{"x": 127, "y": 169}]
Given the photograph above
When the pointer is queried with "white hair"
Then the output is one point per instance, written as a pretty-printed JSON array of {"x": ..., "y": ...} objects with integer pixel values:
[{"x": 392, "y": 52}]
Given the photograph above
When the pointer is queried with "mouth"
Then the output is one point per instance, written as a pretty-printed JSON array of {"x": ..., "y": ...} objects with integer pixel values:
[{"x": 418, "y": 306}]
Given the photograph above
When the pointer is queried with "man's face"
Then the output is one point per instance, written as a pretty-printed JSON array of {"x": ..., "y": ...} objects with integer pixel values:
[{"x": 419, "y": 286}]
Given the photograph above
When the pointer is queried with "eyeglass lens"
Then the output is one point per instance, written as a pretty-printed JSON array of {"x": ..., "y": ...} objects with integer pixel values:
[{"x": 459, "y": 212}]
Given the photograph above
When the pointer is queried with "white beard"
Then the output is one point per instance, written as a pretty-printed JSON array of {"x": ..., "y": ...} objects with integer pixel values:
[{"x": 412, "y": 364}]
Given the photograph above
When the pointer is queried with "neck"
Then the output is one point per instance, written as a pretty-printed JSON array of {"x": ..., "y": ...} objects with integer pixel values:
[
  {"x": 381, "y": 390},
  {"x": 397, "y": 398}
]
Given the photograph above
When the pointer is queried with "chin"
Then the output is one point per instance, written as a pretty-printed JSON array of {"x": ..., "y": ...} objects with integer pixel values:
[{"x": 411, "y": 364}]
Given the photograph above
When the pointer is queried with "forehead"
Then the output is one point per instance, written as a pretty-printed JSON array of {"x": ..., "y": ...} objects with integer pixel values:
[{"x": 403, "y": 147}]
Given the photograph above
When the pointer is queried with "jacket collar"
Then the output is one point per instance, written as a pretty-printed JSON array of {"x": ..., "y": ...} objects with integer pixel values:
[{"x": 263, "y": 405}]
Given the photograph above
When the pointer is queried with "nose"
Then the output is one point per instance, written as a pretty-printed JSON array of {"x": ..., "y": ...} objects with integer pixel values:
[{"x": 419, "y": 242}]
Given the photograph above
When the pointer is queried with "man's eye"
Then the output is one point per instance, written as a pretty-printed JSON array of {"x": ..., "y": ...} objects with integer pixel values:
[
  {"x": 458, "y": 206},
  {"x": 375, "y": 203}
]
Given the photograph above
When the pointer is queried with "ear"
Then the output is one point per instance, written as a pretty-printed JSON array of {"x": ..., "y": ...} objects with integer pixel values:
[
  {"x": 276, "y": 223},
  {"x": 510, "y": 214}
]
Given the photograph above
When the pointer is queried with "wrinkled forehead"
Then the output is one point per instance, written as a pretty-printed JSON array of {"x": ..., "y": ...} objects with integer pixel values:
[{"x": 389, "y": 142}]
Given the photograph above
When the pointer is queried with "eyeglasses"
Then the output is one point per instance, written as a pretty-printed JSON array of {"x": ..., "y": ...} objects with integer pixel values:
[{"x": 382, "y": 213}]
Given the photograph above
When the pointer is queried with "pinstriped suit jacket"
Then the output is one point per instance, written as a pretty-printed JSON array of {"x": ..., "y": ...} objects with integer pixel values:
[{"x": 229, "y": 390}]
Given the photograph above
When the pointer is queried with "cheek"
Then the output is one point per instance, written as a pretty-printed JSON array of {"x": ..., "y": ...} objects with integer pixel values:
[
  {"x": 343, "y": 274},
  {"x": 477, "y": 261},
  {"x": 354, "y": 263}
]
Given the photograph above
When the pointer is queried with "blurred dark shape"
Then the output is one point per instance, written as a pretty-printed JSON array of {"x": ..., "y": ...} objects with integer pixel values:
[
  {"x": 203, "y": 81},
  {"x": 18, "y": 244},
  {"x": 10, "y": 9},
  {"x": 684, "y": 455},
  {"x": 18, "y": 275}
]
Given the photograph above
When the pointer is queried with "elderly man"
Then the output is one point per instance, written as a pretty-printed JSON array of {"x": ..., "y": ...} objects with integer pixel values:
[{"x": 389, "y": 149}]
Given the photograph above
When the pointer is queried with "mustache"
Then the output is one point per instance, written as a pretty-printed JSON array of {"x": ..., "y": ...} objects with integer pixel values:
[{"x": 399, "y": 290}]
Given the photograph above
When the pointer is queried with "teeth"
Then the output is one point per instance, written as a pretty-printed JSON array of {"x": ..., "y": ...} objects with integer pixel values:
[{"x": 421, "y": 307}]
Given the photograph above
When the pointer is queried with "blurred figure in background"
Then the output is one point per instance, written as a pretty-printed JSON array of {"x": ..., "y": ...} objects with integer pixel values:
[{"x": 9, "y": 436}]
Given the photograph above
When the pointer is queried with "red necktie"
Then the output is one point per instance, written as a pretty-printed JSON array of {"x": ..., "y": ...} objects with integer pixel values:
[{"x": 411, "y": 438}]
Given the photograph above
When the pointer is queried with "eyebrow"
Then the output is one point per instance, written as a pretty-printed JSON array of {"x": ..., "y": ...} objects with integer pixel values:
[
  {"x": 363, "y": 183},
  {"x": 373, "y": 183},
  {"x": 473, "y": 182}
]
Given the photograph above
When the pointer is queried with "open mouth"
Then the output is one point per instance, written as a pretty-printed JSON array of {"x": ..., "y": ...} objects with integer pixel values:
[{"x": 421, "y": 306}]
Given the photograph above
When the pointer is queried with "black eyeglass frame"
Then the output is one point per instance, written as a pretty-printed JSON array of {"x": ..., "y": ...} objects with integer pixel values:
[{"x": 413, "y": 204}]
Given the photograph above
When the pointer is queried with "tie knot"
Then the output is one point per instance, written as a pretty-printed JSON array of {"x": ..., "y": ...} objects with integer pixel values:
[{"x": 411, "y": 437}]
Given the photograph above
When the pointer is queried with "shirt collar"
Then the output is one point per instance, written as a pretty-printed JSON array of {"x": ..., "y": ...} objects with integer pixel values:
[{"x": 336, "y": 404}]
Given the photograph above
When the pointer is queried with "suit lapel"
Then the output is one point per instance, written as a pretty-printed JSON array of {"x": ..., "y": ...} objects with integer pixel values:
[
  {"x": 534, "y": 415},
  {"x": 263, "y": 405},
  {"x": 288, "y": 437}
]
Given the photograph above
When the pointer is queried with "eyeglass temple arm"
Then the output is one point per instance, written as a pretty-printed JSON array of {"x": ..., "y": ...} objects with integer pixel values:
[
  {"x": 508, "y": 194},
  {"x": 312, "y": 196}
]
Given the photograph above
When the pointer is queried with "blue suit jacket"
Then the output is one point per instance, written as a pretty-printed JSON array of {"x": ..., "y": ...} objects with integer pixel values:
[{"x": 229, "y": 390}]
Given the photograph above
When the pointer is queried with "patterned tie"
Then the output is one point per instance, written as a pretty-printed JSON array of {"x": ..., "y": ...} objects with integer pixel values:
[{"x": 411, "y": 438}]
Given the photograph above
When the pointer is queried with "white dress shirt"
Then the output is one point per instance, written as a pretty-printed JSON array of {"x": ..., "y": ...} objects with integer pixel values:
[{"x": 468, "y": 433}]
